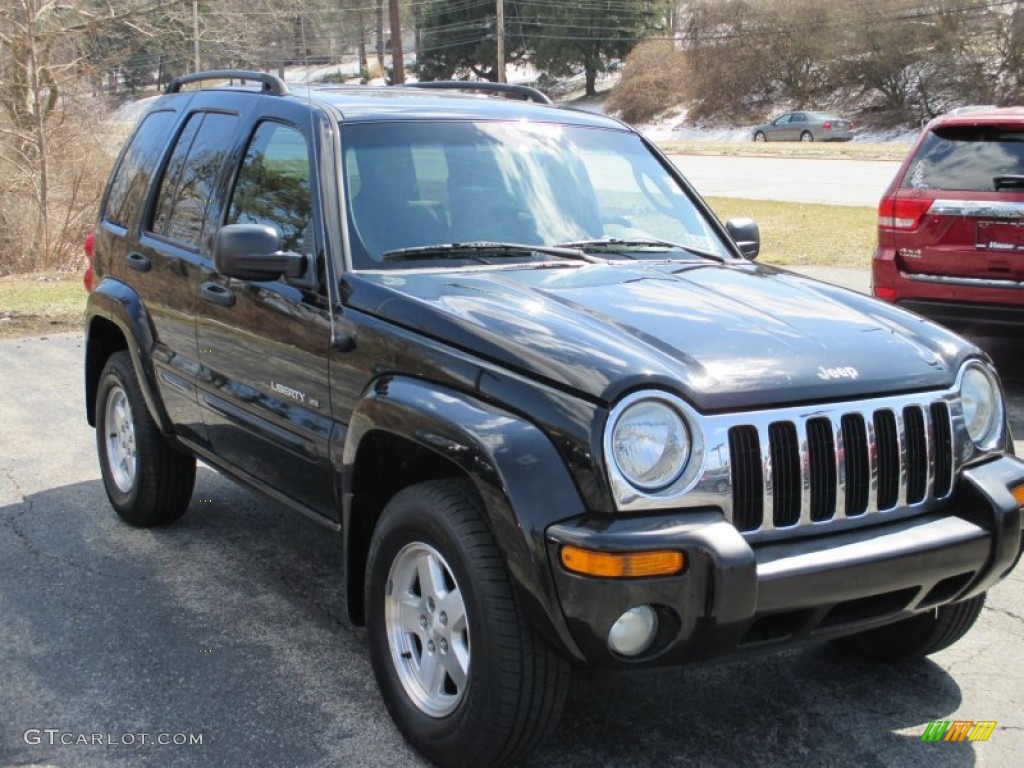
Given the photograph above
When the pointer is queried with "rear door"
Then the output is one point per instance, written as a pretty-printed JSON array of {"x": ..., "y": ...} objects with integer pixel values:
[
  {"x": 797, "y": 124},
  {"x": 162, "y": 272},
  {"x": 264, "y": 345},
  {"x": 970, "y": 178}
]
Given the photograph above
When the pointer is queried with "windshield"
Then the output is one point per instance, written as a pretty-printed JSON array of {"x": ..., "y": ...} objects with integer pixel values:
[{"x": 418, "y": 184}]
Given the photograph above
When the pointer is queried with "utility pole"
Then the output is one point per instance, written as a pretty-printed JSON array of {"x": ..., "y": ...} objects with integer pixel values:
[
  {"x": 397, "y": 61},
  {"x": 195, "y": 32},
  {"x": 500, "y": 28}
]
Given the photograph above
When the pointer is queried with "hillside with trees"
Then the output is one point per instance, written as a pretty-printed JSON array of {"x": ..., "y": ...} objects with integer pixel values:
[{"x": 886, "y": 63}]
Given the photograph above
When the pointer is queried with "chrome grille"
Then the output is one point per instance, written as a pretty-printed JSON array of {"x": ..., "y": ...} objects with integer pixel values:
[{"x": 821, "y": 468}]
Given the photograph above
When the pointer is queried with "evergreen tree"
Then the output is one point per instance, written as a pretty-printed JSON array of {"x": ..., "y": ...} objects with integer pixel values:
[{"x": 567, "y": 36}]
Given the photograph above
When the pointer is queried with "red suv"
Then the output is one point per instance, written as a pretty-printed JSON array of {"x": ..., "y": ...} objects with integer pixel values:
[{"x": 951, "y": 224}]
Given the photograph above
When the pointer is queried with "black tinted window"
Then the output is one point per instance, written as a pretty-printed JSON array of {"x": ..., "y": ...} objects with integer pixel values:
[
  {"x": 189, "y": 185},
  {"x": 131, "y": 180},
  {"x": 273, "y": 186},
  {"x": 966, "y": 158}
]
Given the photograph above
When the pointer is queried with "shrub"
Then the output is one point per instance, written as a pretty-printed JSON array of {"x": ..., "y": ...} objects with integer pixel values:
[{"x": 652, "y": 82}]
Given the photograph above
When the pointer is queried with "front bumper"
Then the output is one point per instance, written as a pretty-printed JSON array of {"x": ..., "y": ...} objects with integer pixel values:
[{"x": 734, "y": 598}]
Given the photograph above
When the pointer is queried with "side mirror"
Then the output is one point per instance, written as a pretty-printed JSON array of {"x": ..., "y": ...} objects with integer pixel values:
[
  {"x": 253, "y": 252},
  {"x": 747, "y": 236}
]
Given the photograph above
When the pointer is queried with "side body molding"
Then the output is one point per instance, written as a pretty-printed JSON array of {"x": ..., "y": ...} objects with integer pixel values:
[
  {"x": 518, "y": 473},
  {"x": 118, "y": 304}
]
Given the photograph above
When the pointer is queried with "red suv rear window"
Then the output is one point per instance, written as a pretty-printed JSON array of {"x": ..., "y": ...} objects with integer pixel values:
[{"x": 968, "y": 157}]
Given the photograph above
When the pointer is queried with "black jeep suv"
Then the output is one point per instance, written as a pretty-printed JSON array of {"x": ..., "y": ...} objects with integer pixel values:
[{"x": 555, "y": 412}]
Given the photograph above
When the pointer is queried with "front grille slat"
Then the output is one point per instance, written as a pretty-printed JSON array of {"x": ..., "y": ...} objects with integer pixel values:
[
  {"x": 747, "y": 478},
  {"x": 943, "y": 450},
  {"x": 887, "y": 453},
  {"x": 824, "y": 468},
  {"x": 858, "y": 470},
  {"x": 821, "y": 455},
  {"x": 785, "y": 456},
  {"x": 916, "y": 452}
]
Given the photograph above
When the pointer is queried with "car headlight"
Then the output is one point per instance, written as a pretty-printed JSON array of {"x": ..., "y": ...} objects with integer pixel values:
[
  {"x": 650, "y": 444},
  {"x": 982, "y": 405}
]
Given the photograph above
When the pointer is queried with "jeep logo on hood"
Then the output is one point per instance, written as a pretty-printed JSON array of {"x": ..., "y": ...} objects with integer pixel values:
[{"x": 846, "y": 372}]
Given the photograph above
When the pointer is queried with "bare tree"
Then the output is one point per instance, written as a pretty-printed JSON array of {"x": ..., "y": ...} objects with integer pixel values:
[{"x": 41, "y": 44}]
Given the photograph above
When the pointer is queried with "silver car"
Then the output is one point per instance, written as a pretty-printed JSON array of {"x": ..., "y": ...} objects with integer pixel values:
[{"x": 805, "y": 126}]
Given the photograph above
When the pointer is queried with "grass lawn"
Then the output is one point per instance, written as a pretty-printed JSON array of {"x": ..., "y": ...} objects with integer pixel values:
[
  {"x": 41, "y": 303},
  {"x": 805, "y": 234}
]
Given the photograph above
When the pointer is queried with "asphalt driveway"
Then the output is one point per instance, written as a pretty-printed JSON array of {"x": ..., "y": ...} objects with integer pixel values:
[{"x": 228, "y": 629}]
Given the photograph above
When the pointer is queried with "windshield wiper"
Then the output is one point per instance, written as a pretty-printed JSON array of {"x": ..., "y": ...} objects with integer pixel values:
[
  {"x": 477, "y": 250},
  {"x": 624, "y": 245},
  {"x": 1010, "y": 181}
]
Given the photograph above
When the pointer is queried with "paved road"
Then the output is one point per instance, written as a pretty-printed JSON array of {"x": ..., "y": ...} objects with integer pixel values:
[
  {"x": 840, "y": 182},
  {"x": 229, "y": 626}
]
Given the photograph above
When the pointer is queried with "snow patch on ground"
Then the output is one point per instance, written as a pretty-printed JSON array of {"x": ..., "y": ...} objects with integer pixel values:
[{"x": 673, "y": 126}]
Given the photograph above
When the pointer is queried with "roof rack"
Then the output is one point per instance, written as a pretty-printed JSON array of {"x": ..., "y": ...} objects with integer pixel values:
[
  {"x": 514, "y": 91},
  {"x": 271, "y": 83}
]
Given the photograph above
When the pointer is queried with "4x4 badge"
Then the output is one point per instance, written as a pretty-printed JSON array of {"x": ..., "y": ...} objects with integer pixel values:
[{"x": 846, "y": 372}]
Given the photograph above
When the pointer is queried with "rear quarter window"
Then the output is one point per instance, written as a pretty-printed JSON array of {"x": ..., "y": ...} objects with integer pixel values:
[
  {"x": 131, "y": 179},
  {"x": 187, "y": 195},
  {"x": 967, "y": 158}
]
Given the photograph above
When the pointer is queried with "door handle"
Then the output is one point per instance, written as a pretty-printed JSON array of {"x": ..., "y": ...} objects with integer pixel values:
[
  {"x": 215, "y": 293},
  {"x": 138, "y": 262}
]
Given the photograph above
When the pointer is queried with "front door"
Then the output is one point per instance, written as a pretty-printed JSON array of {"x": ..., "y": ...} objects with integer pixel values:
[{"x": 263, "y": 346}]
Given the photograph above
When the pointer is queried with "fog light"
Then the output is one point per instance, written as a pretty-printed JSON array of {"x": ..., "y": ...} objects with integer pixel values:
[{"x": 634, "y": 631}]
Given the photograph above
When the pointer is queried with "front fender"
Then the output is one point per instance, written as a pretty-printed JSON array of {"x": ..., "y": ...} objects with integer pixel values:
[
  {"x": 119, "y": 305},
  {"x": 518, "y": 473}
]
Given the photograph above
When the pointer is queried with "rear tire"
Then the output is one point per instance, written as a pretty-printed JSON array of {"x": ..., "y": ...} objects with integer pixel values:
[
  {"x": 806, "y": 136},
  {"x": 477, "y": 687},
  {"x": 917, "y": 636},
  {"x": 148, "y": 482}
]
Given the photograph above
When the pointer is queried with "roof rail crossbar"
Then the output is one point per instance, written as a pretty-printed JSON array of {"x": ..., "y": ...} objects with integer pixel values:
[
  {"x": 514, "y": 91},
  {"x": 272, "y": 84}
]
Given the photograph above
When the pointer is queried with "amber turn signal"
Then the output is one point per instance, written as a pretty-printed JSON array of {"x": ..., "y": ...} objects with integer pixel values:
[
  {"x": 622, "y": 565},
  {"x": 1018, "y": 495}
]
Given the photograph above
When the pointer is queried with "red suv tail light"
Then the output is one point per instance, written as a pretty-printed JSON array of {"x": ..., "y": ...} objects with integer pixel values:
[
  {"x": 827, "y": 126},
  {"x": 902, "y": 212},
  {"x": 87, "y": 277}
]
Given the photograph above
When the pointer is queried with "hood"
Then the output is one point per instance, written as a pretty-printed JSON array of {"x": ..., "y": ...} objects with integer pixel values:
[{"x": 737, "y": 335}]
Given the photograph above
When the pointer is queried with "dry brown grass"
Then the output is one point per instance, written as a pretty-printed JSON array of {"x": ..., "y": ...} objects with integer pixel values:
[
  {"x": 832, "y": 150},
  {"x": 803, "y": 234},
  {"x": 41, "y": 303}
]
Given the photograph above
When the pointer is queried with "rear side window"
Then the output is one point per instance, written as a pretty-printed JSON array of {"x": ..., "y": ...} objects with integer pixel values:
[
  {"x": 186, "y": 200},
  {"x": 131, "y": 179},
  {"x": 968, "y": 158}
]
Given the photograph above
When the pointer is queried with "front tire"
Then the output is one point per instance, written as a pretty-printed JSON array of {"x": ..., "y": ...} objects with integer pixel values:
[
  {"x": 918, "y": 636},
  {"x": 465, "y": 677},
  {"x": 759, "y": 136},
  {"x": 148, "y": 482}
]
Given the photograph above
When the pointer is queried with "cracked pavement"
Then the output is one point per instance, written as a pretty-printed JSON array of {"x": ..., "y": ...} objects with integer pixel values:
[{"x": 231, "y": 624}]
